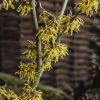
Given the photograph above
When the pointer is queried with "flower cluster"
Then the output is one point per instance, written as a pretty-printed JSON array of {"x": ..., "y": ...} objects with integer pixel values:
[
  {"x": 8, "y": 4},
  {"x": 48, "y": 35},
  {"x": 10, "y": 95},
  {"x": 75, "y": 25},
  {"x": 63, "y": 50},
  {"x": 29, "y": 94},
  {"x": 48, "y": 32},
  {"x": 28, "y": 72},
  {"x": 25, "y": 8},
  {"x": 47, "y": 18},
  {"x": 70, "y": 23},
  {"x": 47, "y": 65},
  {"x": 88, "y": 6},
  {"x": 30, "y": 52},
  {"x": 53, "y": 53},
  {"x": 49, "y": 28}
]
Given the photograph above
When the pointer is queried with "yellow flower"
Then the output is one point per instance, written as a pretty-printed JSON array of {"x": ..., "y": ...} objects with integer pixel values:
[
  {"x": 75, "y": 25},
  {"x": 28, "y": 72},
  {"x": 52, "y": 54},
  {"x": 47, "y": 64},
  {"x": 64, "y": 24},
  {"x": 47, "y": 34},
  {"x": 24, "y": 9},
  {"x": 29, "y": 94},
  {"x": 10, "y": 95},
  {"x": 48, "y": 29},
  {"x": 70, "y": 24},
  {"x": 31, "y": 50},
  {"x": 59, "y": 50},
  {"x": 8, "y": 4},
  {"x": 63, "y": 50},
  {"x": 47, "y": 18},
  {"x": 88, "y": 6}
]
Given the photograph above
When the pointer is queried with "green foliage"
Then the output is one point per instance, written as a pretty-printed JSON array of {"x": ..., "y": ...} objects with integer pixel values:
[{"x": 49, "y": 93}]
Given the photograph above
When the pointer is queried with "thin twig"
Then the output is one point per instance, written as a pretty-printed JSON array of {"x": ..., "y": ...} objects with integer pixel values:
[
  {"x": 38, "y": 79},
  {"x": 75, "y": 16},
  {"x": 35, "y": 22},
  {"x": 60, "y": 17},
  {"x": 63, "y": 9},
  {"x": 38, "y": 45}
]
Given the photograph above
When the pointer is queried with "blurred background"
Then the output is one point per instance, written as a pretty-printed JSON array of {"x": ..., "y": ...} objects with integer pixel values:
[{"x": 77, "y": 72}]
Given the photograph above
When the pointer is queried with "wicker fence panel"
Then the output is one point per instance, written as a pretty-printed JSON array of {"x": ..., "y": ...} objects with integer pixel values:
[
  {"x": 72, "y": 69},
  {"x": 9, "y": 42}
]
